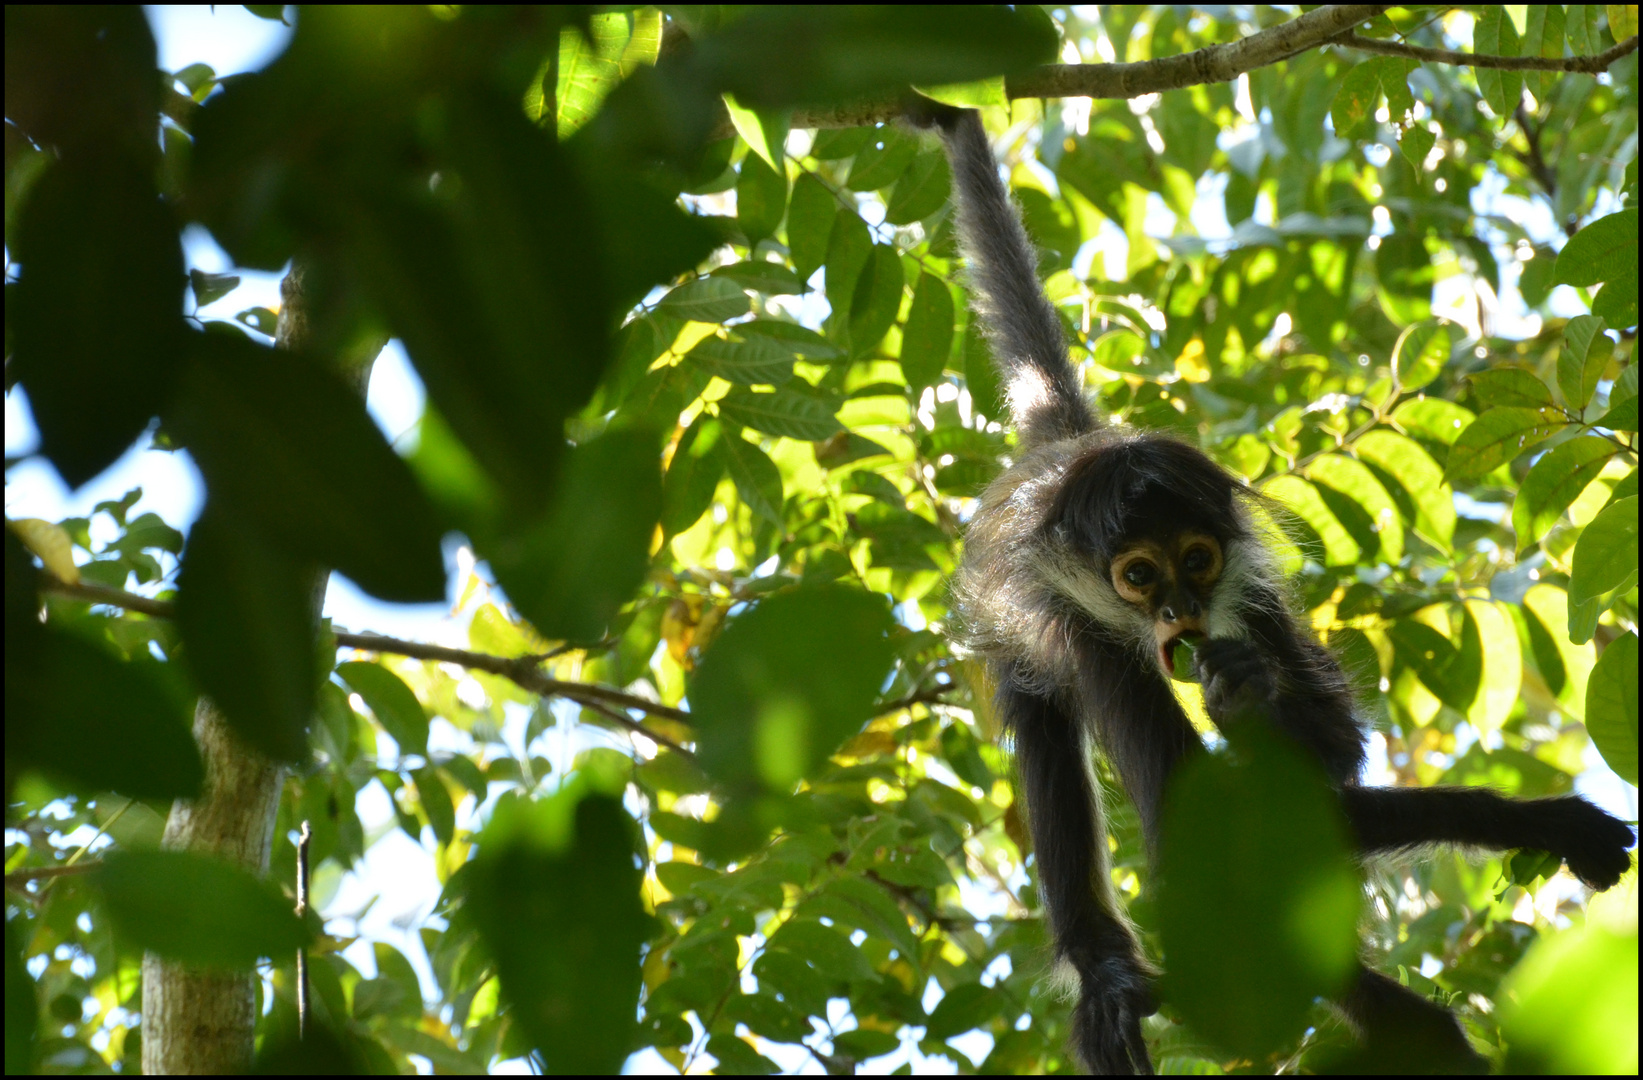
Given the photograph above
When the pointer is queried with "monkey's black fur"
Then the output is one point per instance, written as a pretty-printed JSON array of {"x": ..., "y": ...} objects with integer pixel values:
[{"x": 1075, "y": 664}]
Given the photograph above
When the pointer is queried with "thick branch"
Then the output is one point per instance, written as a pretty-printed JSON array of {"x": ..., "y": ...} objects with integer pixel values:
[
  {"x": 1212, "y": 64},
  {"x": 1588, "y": 65}
]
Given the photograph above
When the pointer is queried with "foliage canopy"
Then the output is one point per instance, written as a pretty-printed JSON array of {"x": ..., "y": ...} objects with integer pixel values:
[{"x": 704, "y": 399}]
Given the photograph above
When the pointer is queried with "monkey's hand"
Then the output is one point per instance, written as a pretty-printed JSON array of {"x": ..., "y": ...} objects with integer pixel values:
[
  {"x": 1592, "y": 843},
  {"x": 1115, "y": 993},
  {"x": 1238, "y": 683}
]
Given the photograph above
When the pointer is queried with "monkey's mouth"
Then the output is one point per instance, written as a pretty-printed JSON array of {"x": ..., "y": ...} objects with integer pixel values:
[{"x": 1166, "y": 652}]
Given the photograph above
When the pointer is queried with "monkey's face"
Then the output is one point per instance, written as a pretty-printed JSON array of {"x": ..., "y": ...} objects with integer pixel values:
[{"x": 1171, "y": 581}]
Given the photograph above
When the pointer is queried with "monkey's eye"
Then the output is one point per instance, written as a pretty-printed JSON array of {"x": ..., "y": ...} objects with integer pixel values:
[
  {"x": 1198, "y": 560},
  {"x": 1140, "y": 574}
]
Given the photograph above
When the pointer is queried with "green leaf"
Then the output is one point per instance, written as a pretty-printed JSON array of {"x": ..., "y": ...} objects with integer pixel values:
[
  {"x": 824, "y": 948},
  {"x": 197, "y": 909},
  {"x": 980, "y": 94},
  {"x": 1611, "y": 706},
  {"x": 963, "y": 1008},
  {"x": 1543, "y": 36},
  {"x": 761, "y": 199},
  {"x": 571, "y": 568},
  {"x": 877, "y": 299},
  {"x": 1605, "y": 558},
  {"x": 1497, "y": 437},
  {"x": 328, "y": 489},
  {"x": 1404, "y": 267},
  {"x": 1353, "y": 479},
  {"x": 1585, "y": 33},
  {"x": 589, "y": 69},
  {"x": 1413, "y": 468},
  {"x": 1622, "y": 21},
  {"x": 756, "y": 477},
  {"x": 710, "y": 299},
  {"x": 1553, "y": 483},
  {"x": 554, "y": 893},
  {"x": 1620, "y": 417},
  {"x": 865, "y": 906},
  {"x": 693, "y": 475},
  {"x": 864, "y": 1043},
  {"x": 809, "y": 223},
  {"x": 88, "y": 719},
  {"x": 852, "y": 53},
  {"x": 96, "y": 333},
  {"x": 927, "y": 340},
  {"x": 435, "y": 798},
  {"x": 835, "y": 144},
  {"x": 785, "y": 412},
  {"x": 922, "y": 189},
  {"x": 772, "y": 279},
  {"x": 244, "y": 612},
  {"x": 1604, "y": 250},
  {"x": 849, "y": 247},
  {"x": 1394, "y": 73},
  {"x": 801, "y": 341},
  {"x": 1355, "y": 101},
  {"x": 737, "y": 1058},
  {"x": 1433, "y": 659},
  {"x": 1416, "y": 141},
  {"x": 882, "y": 161},
  {"x": 1616, "y": 302},
  {"x": 1265, "y": 833},
  {"x": 758, "y": 361},
  {"x": 1433, "y": 418},
  {"x": 1552, "y": 999},
  {"x": 764, "y": 130},
  {"x": 1420, "y": 353},
  {"x": 393, "y": 703},
  {"x": 1586, "y": 352},
  {"x": 981, "y": 374},
  {"x": 1514, "y": 387},
  {"x": 785, "y": 684},
  {"x": 1495, "y": 35},
  {"x": 1302, "y": 499},
  {"x": 1500, "y": 677}
]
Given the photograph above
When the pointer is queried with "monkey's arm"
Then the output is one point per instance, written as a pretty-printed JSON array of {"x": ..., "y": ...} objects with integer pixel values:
[
  {"x": 1046, "y": 399},
  {"x": 1591, "y": 842},
  {"x": 1069, "y": 845},
  {"x": 1240, "y": 688}
]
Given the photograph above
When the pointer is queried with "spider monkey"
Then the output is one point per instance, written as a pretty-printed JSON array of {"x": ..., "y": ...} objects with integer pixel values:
[{"x": 1087, "y": 560}]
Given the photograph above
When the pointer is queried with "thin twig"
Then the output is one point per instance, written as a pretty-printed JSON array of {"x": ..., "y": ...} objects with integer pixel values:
[
  {"x": 1586, "y": 65},
  {"x": 19, "y": 878},
  {"x": 302, "y": 911}
]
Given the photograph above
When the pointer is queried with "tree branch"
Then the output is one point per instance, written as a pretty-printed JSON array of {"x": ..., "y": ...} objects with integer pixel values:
[
  {"x": 1586, "y": 65},
  {"x": 521, "y": 670},
  {"x": 1212, "y": 64},
  {"x": 18, "y": 878}
]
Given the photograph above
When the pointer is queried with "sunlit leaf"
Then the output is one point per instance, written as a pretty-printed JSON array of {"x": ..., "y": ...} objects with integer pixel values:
[
  {"x": 1553, "y": 483},
  {"x": 1497, "y": 437},
  {"x": 1611, "y": 706}
]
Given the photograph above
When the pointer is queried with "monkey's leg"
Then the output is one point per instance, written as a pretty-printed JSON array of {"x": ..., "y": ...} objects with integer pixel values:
[
  {"x": 1069, "y": 844},
  {"x": 1591, "y": 842},
  {"x": 1405, "y": 1033}
]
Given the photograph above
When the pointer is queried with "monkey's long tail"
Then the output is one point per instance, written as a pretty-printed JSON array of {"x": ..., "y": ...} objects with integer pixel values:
[{"x": 1046, "y": 400}]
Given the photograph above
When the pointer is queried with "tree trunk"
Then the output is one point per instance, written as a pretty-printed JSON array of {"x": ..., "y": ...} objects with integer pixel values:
[{"x": 202, "y": 1022}]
